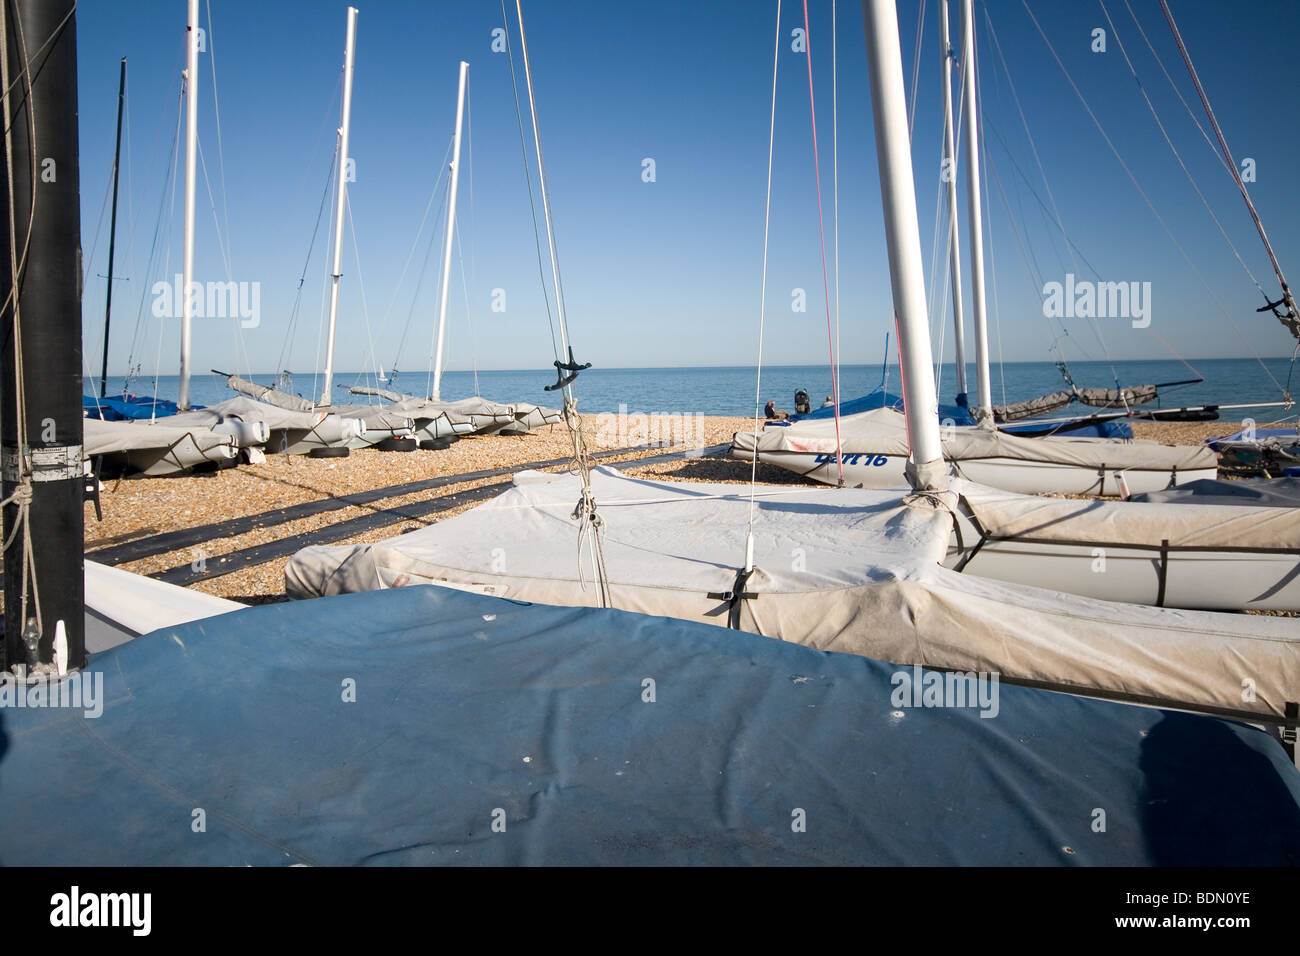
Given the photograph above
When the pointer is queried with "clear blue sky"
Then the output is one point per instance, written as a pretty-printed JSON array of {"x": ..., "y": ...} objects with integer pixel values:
[{"x": 667, "y": 273}]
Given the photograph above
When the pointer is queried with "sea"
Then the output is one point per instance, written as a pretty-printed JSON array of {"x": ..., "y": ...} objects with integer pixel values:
[{"x": 730, "y": 390}]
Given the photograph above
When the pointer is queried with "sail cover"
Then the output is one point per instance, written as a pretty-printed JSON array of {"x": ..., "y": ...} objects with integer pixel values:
[
  {"x": 884, "y": 432},
  {"x": 156, "y": 450},
  {"x": 470, "y": 711},
  {"x": 1033, "y": 406},
  {"x": 853, "y": 570},
  {"x": 1117, "y": 398},
  {"x": 272, "y": 396}
]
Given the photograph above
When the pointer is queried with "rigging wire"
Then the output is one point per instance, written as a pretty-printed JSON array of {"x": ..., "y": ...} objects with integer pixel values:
[
  {"x": 1145, "y": 198},
  {"x": 585, "y": 512},
  {"x": 1290, "y": 320},
  {"x": 762, "y": 299},
  {"x": 821, "y": 228}
]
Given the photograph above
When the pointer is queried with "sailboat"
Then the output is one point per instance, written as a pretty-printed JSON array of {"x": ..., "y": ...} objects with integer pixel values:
[
  {"x": 436, "y": 420},
  {"x": 869, "y": 449},
  {"x": 246, "y": 712}
]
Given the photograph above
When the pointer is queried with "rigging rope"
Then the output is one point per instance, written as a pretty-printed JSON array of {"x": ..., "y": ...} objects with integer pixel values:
[
  {"x": 821, "y": 229},
  {"x": 1291, "y": 320},
  {"x": 1145, "y": 198},
  {"x": 762, "y": 300},
  {"x": 585, "y": 512}
]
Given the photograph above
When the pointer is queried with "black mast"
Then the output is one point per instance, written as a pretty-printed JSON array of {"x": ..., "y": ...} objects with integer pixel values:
[
  {"x": 40, "y": 332},
  {"x": 112, "y": 228}
]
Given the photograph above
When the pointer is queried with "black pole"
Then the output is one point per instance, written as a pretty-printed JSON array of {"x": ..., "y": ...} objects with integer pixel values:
[
  {"x": 40, "y": 329},
  {"x": 112, "y": 228}
]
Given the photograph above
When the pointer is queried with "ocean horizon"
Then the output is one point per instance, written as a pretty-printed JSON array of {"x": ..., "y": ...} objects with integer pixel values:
[{"x": 730, "y": 390}]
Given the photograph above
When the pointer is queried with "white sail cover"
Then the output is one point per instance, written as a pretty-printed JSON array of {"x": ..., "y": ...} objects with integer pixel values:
[
  {"x": 268, "y": 395},
  {"x": 156, "y": 449},
  {"x": 248, "y": 410},
  {"x": 1004, "y": 514},
  {"x": 855, "y": 571},
  {"x": 883, "y": 431}
]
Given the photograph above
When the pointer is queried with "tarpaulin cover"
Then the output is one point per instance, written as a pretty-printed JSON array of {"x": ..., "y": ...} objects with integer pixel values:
[
  {"x": 853, "y": 570},
  {"x": 471, "y": 711},
  {"x": 960, "y": 415},
  {"x": 272, "y": 396},
  {"x": 1251, "y": 492},
  {"x": 1218, "y": 524},
  {"x": 884, "y": 432},
  {"x": 156, "y": 449},
  {"x": 128, "y": 408},
  {"x": 882, "y": 399}
]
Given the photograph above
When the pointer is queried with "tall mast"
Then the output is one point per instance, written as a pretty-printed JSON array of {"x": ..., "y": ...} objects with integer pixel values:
[
  {"x": 40, "y": 346},
  {"x": 926, "y": 470},
  {"x": 342, "y": 197},
  {"x": 984, "y": 408},
  {"x": 451, "y": 225},
  {"x": 112, "y": 226},
  {"x": 950, "y": 177},
  {"x": 191, "y": 155}
]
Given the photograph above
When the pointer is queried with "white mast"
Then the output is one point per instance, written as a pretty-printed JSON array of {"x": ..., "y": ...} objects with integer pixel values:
[
  {"x": 342, "y": 198},
  {"x": 950, "y": 177},
  {"x": 451, "y": 226},
  {"x": 926, "y": 470},
  {"x": 984, "y": 408},
  {"x": 191, "y": 151}
]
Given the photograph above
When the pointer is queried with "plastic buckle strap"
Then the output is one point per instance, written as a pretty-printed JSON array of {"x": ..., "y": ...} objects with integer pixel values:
[{"x": 735, "y": 596}]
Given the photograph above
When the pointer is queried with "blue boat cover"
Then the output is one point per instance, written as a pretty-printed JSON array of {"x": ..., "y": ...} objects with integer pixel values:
[
  {"x": 960, "y": 415},
  {"x": 128, "y": 408},
  {"x": 485, "y": 731},
  {"x": 1252, "y": 492}
]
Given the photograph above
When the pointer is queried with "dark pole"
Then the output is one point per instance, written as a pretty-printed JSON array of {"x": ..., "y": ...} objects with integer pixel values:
[
  {"x": 40, "y": 331},
  {"x": 112, "y": 228}
]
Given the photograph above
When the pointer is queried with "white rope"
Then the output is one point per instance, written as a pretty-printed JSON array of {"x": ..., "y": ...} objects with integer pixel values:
[
  {"x": 585, "y": 512},
  {"x": 762, "y": 302}
]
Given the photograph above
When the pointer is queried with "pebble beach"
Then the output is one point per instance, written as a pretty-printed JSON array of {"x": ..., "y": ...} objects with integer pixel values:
[{"x": 136, "y": 509}]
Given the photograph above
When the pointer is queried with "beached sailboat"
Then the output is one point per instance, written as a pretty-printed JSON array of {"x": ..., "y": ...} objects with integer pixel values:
[
  {"x": 437, "y": 421},
  {"x": 873, "y": 584},
  {"x": 241, "y": 712}
]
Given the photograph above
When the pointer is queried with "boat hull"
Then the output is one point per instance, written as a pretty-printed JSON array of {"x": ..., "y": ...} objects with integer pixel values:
[{"x": 866, "y": 470}]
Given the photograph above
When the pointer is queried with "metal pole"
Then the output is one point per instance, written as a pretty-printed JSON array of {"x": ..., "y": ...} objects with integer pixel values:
[
  {"x": 984, "y": 408},
  {"x": 451, "y": 225},
  {"x": 340, "y": 208},
  {"x": 949, "y": 174},
  {"x": 40, "y": 335},
  {"x": 112, "y": 227},
  {"x": 191, "y": 155},
  {"x": 926, "y": 470}
]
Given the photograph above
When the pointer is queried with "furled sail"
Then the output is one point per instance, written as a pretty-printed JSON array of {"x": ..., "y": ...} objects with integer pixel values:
[{"x": 272, "y": 396}]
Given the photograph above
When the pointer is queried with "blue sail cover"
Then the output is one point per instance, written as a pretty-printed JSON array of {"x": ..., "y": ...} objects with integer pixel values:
[
  {"x": 960, "y": 415},
  {"x": 128, "y": 408},
  {"x": 471, "y": 710}
]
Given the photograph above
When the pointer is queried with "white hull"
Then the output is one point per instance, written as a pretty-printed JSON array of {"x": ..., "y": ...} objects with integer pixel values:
[
  {"x": 1008, "y": 474},
  {"x": 1200, "y": 580}
]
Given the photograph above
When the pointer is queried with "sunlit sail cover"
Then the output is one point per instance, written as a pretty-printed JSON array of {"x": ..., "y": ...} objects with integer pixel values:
[{"x": 857, "y": 571}]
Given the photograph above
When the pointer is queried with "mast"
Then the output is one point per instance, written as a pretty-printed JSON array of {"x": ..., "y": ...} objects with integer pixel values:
[
  {"x": 191, "y": 155},
  {"x": 341, "y": 207},
  {"x": 451, "y": 225},
  {"x": 984, "y": 408},
  {"x": 112, "y": 227},
  {"x": 950, "y": 176},
  {"x": 40, "y": 337},
  {"x": 926, "y": 470}
]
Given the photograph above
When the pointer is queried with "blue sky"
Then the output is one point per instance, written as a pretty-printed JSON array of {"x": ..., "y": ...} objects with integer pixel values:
[{"x": 667, "y": 272}]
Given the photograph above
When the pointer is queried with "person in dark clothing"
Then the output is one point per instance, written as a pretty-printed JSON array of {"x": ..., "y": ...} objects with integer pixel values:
[{"x": 773, "y": 412}]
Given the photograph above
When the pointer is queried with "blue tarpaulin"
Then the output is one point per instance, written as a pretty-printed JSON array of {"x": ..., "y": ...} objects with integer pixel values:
[
  {"x": 960, "y": 415},
  {"x": 128, "y": 408},
  {"x": 485, "y": 731}
]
